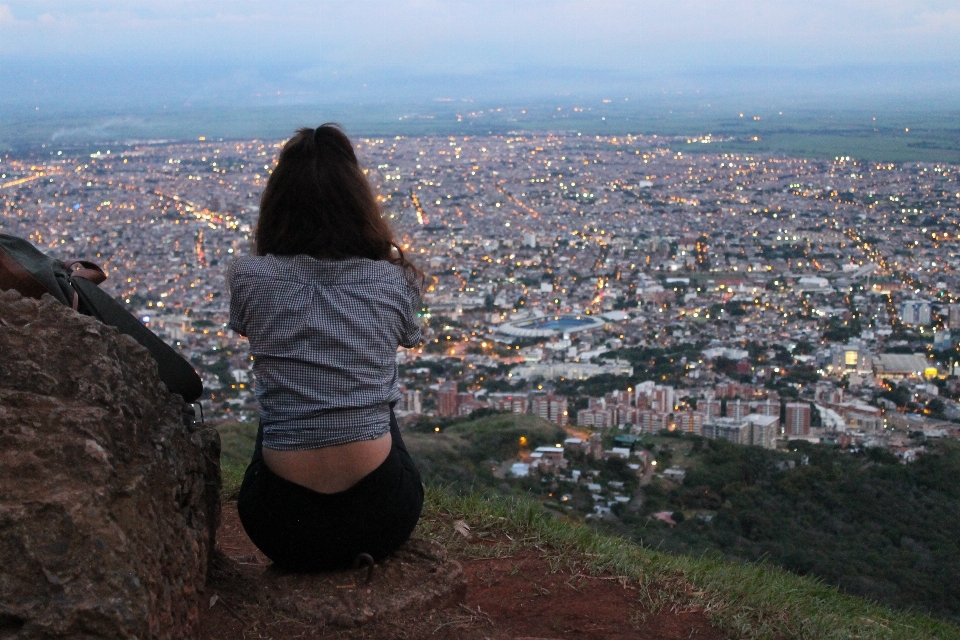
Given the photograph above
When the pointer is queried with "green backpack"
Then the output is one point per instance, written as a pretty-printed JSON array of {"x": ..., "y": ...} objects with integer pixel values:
[{"x": 33, "y": 273}]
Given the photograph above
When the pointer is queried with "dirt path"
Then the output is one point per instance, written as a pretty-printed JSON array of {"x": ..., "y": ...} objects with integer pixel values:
[{"x": 508, "y": 598}]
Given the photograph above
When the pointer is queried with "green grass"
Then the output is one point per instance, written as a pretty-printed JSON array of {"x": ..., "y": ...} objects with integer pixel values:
[
  {"x": 465, "y": 453},
  {"x": 237, "y": 440},
  {"x": 745, "y": 600}
]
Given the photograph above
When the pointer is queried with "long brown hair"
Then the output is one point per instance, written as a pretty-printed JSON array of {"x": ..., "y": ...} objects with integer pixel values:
[{"x": 318, "y": 202}]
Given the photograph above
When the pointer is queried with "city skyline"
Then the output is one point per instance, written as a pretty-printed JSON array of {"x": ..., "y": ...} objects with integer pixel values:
[
  {"x": 630, "y": 298},
  {"x": 691, "y": 267},
  {"x": 558, "y": 258}
]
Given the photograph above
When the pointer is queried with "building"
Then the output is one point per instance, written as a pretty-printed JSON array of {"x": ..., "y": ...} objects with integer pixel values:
[
  {"x": 641, "y": 394},
  {"x": 626, "y": 415},
  {"x": 447, "y": 399},
  {"x": 858, "y": 415},
  {"x": 548, "y": 460},
  {"x": 915, "y": 312},
  {"x": 467, "y": 404},
  {"x": 515, "y": 403},
  {"x": 597, "y": 417},
  {"x": 798, "y": 419},
  {"x": 737, "y": 409},
  {"x": 953, "y": 316},
  {"x": 650, "y": 421},
  {"x": 768, "y": 408},
  {"x": 411, "y": 401},
  {"x": 850, "y": 357},
  {"x": 595, "y": 446},
  {"x": 662, "y": 398},
  {"x": 764, "y": 430},
  {"x": 550, "y": 407},
  {"x": 942, "y": 339},
  {"x": 710, "y": 408},
  {"x": 733, "y": 389},
  {"x": 826, "y": 392},
  {"x": 901, "y": 365},
  {"x": 689, "y": 421},
  {"x": 736, "y": 431},
  {"x": 754, "y": 430}
]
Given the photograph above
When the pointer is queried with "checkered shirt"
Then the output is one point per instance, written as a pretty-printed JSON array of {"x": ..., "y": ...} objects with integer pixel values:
[{"x": 324, "y": 337}]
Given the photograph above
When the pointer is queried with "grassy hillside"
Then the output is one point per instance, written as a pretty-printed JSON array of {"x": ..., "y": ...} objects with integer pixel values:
[
  {"x": 237, "y": 440},
  {"x": 464, "y": 455},
  {"x": 864, "y": 522},
  {"x": 749, "y": 600}
]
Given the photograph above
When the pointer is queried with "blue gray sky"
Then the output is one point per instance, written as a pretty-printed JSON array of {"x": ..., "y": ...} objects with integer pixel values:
[{"x": 183, "y": 51}]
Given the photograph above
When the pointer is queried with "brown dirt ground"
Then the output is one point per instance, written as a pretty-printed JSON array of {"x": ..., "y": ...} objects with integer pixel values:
[{"x": 514, "y": 597}]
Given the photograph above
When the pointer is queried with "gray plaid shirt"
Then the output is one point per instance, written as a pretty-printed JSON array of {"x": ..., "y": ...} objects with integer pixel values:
[{"x": 324, "y": 337}]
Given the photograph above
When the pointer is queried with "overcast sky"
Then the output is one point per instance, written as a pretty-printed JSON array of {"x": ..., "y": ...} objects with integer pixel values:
[{"x": 316, "y": 42}]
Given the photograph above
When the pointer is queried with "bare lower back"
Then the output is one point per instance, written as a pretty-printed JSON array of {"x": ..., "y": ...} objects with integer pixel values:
[{"x": 329, "y": 469}]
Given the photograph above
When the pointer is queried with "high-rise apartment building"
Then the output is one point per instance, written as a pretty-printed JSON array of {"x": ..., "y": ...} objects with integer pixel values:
[
  {"x": 550, "y": 407},
  {"x": 769, "y": 408},
  {"x": 737, "y": 409},
  {"x": 953, "y": 316},
  {"x": 411, "y": 400},
  {"x": 662, "y": 398},
  {"x": 513, "y": 402},
  {"x": 764, "y": 429},
  {"x": 447, "y": 399},
  {"x": 689, "y": 421},
  {"x": 798, "y": 419},
  {"x": 709, "y": 408},
  {"x": 915, "y": 312}
]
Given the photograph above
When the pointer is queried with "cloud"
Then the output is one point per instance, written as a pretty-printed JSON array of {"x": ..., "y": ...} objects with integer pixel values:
[
  {"x": 938, "y": 22},
  {"x": 6, "y": 15},
  {"x": 465, "y": 36}
]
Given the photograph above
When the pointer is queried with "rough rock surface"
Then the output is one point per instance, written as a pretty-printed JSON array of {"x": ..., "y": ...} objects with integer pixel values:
[
  {"x": 108, "y": 503},
  {"x": 418, "y": 578}
]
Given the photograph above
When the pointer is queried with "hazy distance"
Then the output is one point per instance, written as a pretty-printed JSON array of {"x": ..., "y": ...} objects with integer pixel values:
[{"x": 70, "y": 66}]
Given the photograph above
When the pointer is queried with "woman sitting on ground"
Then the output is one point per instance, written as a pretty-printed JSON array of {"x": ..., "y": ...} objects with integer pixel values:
[{"x": 325, "y": 303}]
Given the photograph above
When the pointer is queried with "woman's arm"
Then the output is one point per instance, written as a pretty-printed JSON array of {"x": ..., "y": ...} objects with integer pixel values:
[
  {"x": 411, "y": 333},
  {"x": 236, "y": 299}
]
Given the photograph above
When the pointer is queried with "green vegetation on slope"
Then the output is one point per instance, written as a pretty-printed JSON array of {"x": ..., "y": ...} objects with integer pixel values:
[
  {"x": 237, "y": 440},
  {"x": 465, "y": 454},
  {"x": 864, "y": 522},
  {"x": 747, "y": 600}
]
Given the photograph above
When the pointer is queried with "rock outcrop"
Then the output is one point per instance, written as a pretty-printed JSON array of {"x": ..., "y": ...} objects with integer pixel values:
[{"x": 109, "y": 502}]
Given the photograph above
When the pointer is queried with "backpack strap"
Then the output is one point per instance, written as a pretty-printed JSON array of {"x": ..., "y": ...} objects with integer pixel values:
[
  {"x": 175, "y": 372},
  {"x": 87, "y": 270}
]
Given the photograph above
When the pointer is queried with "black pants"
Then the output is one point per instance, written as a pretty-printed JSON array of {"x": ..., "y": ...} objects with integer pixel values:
[{"x": 302, "y": 530}]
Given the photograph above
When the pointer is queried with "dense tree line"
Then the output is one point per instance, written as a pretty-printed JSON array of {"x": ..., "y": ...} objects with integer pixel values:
[{"x": 863, "y": 521}]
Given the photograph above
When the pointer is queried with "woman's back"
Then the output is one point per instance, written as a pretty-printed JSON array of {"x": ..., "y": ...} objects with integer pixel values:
[
  {"x": 325, "y": 302},
  {"x": 324, "y": 336}
]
